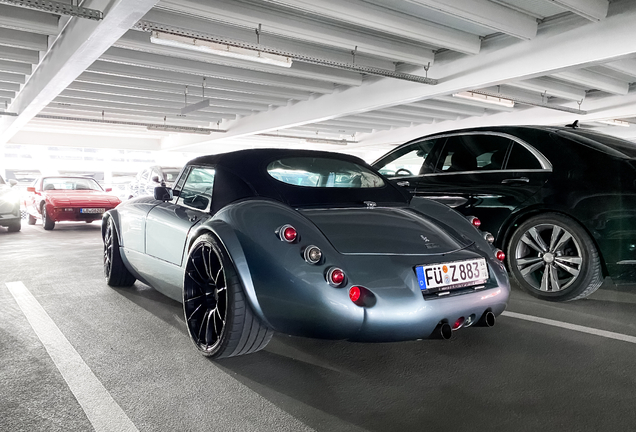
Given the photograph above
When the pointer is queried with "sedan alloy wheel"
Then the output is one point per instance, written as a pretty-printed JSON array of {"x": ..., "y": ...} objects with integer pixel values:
[
  {"x": 548, "y": 257},
  {"x": 553, "y": 258}
]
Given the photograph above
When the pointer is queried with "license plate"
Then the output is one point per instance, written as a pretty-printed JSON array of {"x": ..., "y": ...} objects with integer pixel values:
[
  {"x": 451, "y": 275},
  {"x": 92, "y": 210}
]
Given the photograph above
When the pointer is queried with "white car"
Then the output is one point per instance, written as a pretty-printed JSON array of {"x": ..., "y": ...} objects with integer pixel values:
[
  {"x": 9, "y": 205},
  {"x": 148, "y": 179}
]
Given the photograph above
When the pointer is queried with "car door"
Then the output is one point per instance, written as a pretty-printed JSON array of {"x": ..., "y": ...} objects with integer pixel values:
[
  {"x": 484, "y": 174},
  {"x": 169, "y": 223}
]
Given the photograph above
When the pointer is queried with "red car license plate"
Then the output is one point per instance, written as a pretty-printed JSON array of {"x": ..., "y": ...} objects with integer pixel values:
[{"x": 92, "y": 210}]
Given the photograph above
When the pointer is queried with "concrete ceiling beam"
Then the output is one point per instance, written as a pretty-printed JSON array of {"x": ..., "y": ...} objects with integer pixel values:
[
  {"x": 254, "y": 76},
  {"x": 384, "y": 20},
  {"x": 28, "y": 20},
  {"x": 81, "y": 42},
  {"x": 301, "y": 28},
  {"x": 594, "y": 80},
  {"x": 486, "y": 13},
  {"x": 24, "y": 40},
  {"x": 171, "y": 92}
]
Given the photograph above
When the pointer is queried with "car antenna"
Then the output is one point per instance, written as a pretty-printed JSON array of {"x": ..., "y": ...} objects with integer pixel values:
[{"x": 573, "y": 125}]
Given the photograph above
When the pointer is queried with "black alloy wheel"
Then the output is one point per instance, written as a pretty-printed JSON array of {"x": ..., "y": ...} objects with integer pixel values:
[
  {"x": 47, "y": 222},
  {"x": 15, "y": 227},
  {"x": 219, "y": 319},
  {"x": 553, "y": 258},
  {"x": 115, "y": 271}
]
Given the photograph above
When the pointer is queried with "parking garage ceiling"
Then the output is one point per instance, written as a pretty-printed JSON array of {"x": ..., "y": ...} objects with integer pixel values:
[{"x": 349, "y": 76}]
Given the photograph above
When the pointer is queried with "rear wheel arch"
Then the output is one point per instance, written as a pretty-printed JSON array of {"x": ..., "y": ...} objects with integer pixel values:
[
  {"x": 219, "y": 322},
  {"x": 224, "y": 233}
]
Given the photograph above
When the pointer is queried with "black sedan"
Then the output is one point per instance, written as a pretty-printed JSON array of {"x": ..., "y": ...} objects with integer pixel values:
[
  {"x": 560, "y": 201},
  {"x": 307, "y": 243}
]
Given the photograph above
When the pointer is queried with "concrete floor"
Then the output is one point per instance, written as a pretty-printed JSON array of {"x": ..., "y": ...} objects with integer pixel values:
[{"x": 518, "y": 375}]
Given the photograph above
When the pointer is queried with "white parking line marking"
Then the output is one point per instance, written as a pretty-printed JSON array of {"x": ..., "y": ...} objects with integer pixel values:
[
  {"x": 575, "y": 327},
  {"x": 100, "y": 408}
]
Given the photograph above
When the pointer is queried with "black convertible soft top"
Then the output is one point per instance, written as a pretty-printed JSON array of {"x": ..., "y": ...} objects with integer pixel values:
[{"x": 243, "y": 174}]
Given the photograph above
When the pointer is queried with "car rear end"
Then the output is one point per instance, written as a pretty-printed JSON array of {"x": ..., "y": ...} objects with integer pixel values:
[{"x": 367, "y": 273}]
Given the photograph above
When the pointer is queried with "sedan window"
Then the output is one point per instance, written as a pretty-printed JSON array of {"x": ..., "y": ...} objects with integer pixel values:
[
  {"x": 408, "y": 161},
  {"x": 197, "y": 190},
  {"x": 521, "y": 159},
  {"x": 474, "y": 153}
]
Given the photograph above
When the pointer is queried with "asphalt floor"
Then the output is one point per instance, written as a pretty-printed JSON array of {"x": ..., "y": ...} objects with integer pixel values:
[{"x": 518, "y": 375}]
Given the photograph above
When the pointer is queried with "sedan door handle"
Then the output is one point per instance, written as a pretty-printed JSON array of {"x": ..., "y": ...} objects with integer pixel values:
[
  {"x": 403, "y": 183},
  {"x": 516, "y": 180}
]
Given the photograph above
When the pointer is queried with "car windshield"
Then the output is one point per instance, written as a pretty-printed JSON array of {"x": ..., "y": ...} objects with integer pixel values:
[
  {"x": 323, "y": 173},
  {"x": 69, "y": 183}
]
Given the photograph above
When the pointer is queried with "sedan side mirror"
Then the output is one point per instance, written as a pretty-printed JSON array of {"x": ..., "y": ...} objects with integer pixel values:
[
  {"x": 163, "y": 193},
  {"x": 13, "y": 182},
  {"x": 108, "y": 190},
  {"x": 155, "y": 178},
  {"x": 30, "y": 189}
]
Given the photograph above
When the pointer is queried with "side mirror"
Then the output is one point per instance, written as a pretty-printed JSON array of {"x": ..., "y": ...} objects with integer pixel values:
[
  {"x": 13, "y": 182},
  {"x": 30, "y": 189},
  {"x": 155, "y": 178},
  {"x": 108, "y": 189},
  {"x": 163, "y": 193}
]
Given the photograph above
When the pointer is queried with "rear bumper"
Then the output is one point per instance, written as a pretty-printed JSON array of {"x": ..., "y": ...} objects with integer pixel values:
[
  {"x": 9, "y": 214},
  {"x": 408, "y": 323},
  {"x": 60, "y": 214}
]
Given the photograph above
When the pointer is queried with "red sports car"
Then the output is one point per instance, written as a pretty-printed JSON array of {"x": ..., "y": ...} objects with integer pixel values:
[{"x": 58, "y": 198}]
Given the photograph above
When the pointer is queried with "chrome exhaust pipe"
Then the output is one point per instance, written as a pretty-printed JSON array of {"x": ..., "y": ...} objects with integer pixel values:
[
  {"x": 442, "y": 331},
  {"x": 488, "y": 319}
]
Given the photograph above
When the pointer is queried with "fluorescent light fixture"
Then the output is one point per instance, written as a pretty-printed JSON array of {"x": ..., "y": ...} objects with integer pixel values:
[
  {"x": 477, "y": 97},
  {"x": 193, "y": 44},
  {"x": 615, "y": 122},
  {"x": 180, "y": 129}
]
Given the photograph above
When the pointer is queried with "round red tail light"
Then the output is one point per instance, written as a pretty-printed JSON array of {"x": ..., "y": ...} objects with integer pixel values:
[
  {"x": 475, "y": 221},
  {"x": 500, "y": 255},
  {"x": 287, "y": 233},
  {"x": 335, "y": 276},
  {"x": 354, "y": 293}
]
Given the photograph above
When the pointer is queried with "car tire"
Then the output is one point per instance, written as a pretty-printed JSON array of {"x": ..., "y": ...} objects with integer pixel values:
[
  {"x": 31, "y": 220},
  {"x": 553, "y": 258},
  {"x": 219, "y": 319},
  {"x": 47, "y": 222},
  {"x": 14, "y": 227},
  {"x": 115, "y": 271}
]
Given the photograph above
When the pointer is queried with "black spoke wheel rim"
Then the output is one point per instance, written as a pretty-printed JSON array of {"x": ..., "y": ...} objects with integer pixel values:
[
  {"x": 549, "y": 258},
  {"x": 108, "y": 251},
  {"x": 205, "y": 297}
]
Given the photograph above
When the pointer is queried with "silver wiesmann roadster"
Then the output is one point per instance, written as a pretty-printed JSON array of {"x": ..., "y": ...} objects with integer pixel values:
[{"x": 307, "y": 243}]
